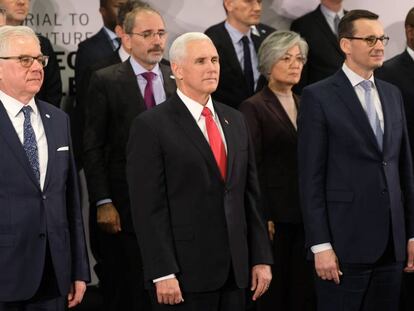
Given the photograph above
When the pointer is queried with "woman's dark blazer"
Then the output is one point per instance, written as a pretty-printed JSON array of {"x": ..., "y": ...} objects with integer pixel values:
[{"x": 275, "y": 140}]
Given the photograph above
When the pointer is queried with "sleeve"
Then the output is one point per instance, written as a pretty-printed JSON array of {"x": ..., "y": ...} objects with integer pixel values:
[{"x": 149, "y": 203}]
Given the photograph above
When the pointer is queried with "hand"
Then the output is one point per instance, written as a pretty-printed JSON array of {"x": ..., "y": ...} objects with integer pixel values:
[
  {"x": 271, "y": 229},
  {"x": 169, "y": 292},
  {"x": 261, "y": 277},
  {"x": 410, "y": 260},
  {"x": 76, "y": 292},
  {"x": 327, "y": 266},
  {"x": 108, "y": 218}
]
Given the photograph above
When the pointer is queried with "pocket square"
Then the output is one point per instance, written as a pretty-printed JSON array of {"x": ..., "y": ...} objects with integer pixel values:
[{"x": 64, "y": 148}]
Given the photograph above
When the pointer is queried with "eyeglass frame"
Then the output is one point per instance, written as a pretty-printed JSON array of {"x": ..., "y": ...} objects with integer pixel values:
[
  {"x": 41, "y": 59},
  {"x": 146, "y": 35},
  {"x": 384, "y": 40}
]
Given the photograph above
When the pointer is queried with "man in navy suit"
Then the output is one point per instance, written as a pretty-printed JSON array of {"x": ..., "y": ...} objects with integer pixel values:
[
  {"x": 356, "y": 177},
  {"x": 43, "y": 255}
]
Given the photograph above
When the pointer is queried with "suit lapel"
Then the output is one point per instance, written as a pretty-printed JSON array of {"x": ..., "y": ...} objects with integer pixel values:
[
  {"x": 346, "y": 93},
  {"x": 230, "y": 137},
  {"x": 186, "y": 121},
  {"x": 47, "y": 119},
  {"x": 386, "y": 111},
  {"x": 169, "y": 80},
  {"x": 274, "y": 105},
  {"x": 9, "y": 135}
]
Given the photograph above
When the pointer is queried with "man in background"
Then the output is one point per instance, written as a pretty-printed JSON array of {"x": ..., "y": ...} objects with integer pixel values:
[
  {"x": 51, "y": 90},
  {"x": 117, "y": 94},
  {"x": 320, "y": 30},
  {"x": 237, "y": 40}
]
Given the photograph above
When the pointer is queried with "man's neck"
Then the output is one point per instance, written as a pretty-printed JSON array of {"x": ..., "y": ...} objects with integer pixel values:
[
  {"x": 332, "y": 5},
  {"x": 243, "y": 28},
  {"x": 362, "y": 72}
]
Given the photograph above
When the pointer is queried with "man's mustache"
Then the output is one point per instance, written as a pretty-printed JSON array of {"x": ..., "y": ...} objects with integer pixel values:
[{"x": 156, "y": 48}]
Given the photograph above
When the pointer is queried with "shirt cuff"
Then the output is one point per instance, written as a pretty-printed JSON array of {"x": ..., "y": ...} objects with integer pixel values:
[
  {"x": 167, "y": 277},
  {"x": 104, "y": 201},
  {"x": 321, "y": 247}
]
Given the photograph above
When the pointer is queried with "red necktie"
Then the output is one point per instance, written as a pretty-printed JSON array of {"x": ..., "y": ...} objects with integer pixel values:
[
  {"x": 216, "y": 142},
  {"x": 149, "y": 92}
]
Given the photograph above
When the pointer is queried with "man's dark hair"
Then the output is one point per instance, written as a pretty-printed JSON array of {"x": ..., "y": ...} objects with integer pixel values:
[
  {"x": 103, "y": 3},
  {"x": 346, "y": 25},
  {"x": 409, "y": 20},
  {"x": 127, "y": 7}
]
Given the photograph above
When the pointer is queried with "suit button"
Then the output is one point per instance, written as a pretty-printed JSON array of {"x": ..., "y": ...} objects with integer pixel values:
[
  {"x": 226, "y": 191},
  {"x": 42, "y": 235},
  {"x": 384, "y": 163},
  {"x": 44, "y": 197},
  {"x": 384, "y": 191}
]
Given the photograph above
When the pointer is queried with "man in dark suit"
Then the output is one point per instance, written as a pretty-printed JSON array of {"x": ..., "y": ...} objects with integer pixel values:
[
  {"x": 117, "y": 94},
  {"x": 51, "y": 90},
  {"x": 194, "y": 192},
  {"x": 399, "y": 71},
  {"x": 43, "y": 254},
  {"x": 356, "y": 176},
  {"x": 320, "y": 30},
  {"x": 237, "y": 41}
]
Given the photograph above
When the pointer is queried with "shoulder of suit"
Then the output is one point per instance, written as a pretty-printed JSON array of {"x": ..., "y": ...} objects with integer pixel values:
[
  {"x": 214, "y": 31},
  {"x": 50, "y": 109},
  {"x": 265, "y": 29},
  {"x": 92, "y": 41},
  {"x": 306, "y": 18}
]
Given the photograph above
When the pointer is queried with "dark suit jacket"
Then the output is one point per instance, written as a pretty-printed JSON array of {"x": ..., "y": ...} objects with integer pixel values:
[
  {"x": 114, "y": 100},
  {"x": 399, "y": 71},
  {"x": 351, "y": 192},
  {"x": 275, "y": 141},
  {"x": 51, "y": 90},
  {"x": 31, "y": 218},
  {"x": 188, "y": 221},
  {"x": 232, "y": 88},
  {"x": 325, "y": 56}
]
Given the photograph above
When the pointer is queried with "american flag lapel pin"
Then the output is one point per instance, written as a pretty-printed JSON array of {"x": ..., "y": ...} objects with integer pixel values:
[
  {"x": 47, "y": 116},
  {"x": 227, "y": 122}
]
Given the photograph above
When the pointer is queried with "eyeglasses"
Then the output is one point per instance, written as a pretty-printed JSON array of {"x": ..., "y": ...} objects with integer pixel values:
[
  {"x": 150, "y": 34},
  {"x": 372, "y": 40},
  {"x": 27, "y": 60},
  {"x": 289, "y": 59}
]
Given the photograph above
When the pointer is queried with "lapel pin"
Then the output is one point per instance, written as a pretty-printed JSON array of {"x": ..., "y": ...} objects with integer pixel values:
[
  {"x": 47, "y": 116},
  {"x": 227, "y": 122},
  {"x": 172, "y": 77}
]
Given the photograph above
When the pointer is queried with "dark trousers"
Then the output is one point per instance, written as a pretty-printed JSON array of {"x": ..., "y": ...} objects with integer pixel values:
[
  {"x": 407, "y": 290},
  {"x": 363, "y": 287},
  {"x": 227, "y": 298},
  {"x": 47, "y": 296},
  {"x": 292, "y": 286},
  {"x": 122, "y": 278}
]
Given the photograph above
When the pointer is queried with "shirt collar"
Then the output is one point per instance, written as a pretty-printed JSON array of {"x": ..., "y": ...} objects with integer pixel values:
[
  {"x": 194, "y": 107},
  {"x": 123, "y": 54},
  {"x": 138, "y": 69},
  {"x": 410, "y": 52},
  {"x": 331, "y": 14},
  {"x": 112, "y": 35},
  {"x": 13, "y": 106},
  {"x": 354, "y": 78},
  {"x": 236, "y": 35}
]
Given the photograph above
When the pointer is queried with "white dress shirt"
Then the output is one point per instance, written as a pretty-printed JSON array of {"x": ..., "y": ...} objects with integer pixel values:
[
  {"x": 13, "y": 108},
  {"x": 123, "y": 54},
  {"x": 410, "y": 52},
  {"x": 195, "y": 109}
]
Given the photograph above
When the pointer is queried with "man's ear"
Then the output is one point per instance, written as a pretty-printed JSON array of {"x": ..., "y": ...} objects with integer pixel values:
[
  {"x": 345, "y": 45},
  {"x": 177, "y": 71}
]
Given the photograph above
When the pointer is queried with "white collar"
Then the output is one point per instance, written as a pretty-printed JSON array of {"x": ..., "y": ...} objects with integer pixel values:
[
  {"x": 13, "y": 106},
  {"x": 355, "y": 78},
  {"x": 194, "y": 107}
]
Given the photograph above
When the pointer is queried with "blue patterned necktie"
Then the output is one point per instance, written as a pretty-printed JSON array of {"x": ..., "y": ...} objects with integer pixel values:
[
  {"x": 371, "y": 112},
  {"x": 29, "y": 142}
]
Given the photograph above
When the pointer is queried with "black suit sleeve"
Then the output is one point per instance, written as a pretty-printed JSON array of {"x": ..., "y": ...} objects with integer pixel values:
[
  {"x": 149, "y": 204},
  {"x": 51, "y": 90}
]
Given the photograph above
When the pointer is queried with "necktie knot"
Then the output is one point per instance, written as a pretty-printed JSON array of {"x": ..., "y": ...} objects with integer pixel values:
[
  {"x": 149, "y": 75},
  {"x": 27, "y": 110},
  {"x": 245, "y": 40},
  {"x": 206, "y": 112},
  {"x": 366, "y": 85}
]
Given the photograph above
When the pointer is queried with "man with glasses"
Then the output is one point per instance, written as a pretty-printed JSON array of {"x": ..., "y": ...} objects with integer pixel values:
[
  {"x": 43, "y": 257},
  {"x": 356, "y": 177},
  {"x": 117, "y": 94},
  {"x": 51, "y": 90}
]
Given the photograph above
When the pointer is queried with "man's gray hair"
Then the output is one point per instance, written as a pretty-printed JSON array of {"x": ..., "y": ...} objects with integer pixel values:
[
  {"x": 129, "y": 21},
  {"x": 275, "y": 46},
  {"x": 178, "y": 48},
  {"x": 8, "y": 33}
]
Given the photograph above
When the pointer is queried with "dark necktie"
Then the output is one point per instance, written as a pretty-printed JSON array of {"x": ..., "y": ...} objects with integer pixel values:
[
  {"x": 248, "y": 68},
  {"x": 29, "y": 142},
  {"x": 371, "y": 112},
  {"x": 216, "y": 142},
  {"x": 336, "y": 23},
  {"x": 149, "y": 91},
  {"x": 116, "y": 42}
]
